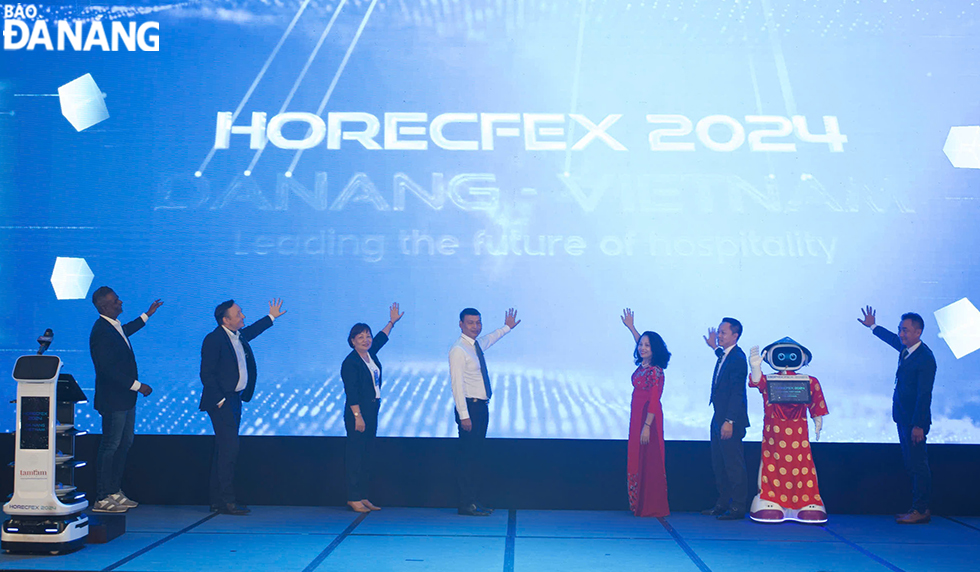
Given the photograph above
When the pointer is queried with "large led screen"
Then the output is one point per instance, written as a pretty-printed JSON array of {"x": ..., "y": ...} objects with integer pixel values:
[{"x": 782, "y": 162}]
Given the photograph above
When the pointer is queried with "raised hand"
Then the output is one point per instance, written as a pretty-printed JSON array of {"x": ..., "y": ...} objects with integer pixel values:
[
  {"x": 395, "y": 315},
  {"x": 627, "y": 318},
  {"x": 755, "y": 364},
  {"x": 712, "y": 338},
  {"x": 869, "y": 317},
  {"x": 153, "y": 307},
  {"x": 510, "y": 319},
  {"x": 275, "y": 308}
]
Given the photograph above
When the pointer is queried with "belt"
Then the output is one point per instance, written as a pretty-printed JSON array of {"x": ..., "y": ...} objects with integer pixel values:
[{"x": 475, "y": 400}]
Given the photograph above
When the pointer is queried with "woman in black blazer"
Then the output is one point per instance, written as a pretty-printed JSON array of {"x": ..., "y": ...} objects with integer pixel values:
[{"x": 361, "y": 373}]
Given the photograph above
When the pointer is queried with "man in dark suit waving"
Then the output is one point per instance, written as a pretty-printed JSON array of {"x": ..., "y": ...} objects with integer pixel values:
[
  {"x": 228, "y": 373},
  {"x": 116, "y": 385},
  {"x": 730, "y": 419},
  {"x": 911, "y": 404}
]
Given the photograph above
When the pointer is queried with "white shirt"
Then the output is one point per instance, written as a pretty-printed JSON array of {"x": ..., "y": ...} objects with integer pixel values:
[
  {"x": 464, "y": 369},
  {"x": 236, "y": 343},
  {"x": 376, "y": 374},
  {"x": 721, "y": 364},
  {"x": 118, "y": 326}
]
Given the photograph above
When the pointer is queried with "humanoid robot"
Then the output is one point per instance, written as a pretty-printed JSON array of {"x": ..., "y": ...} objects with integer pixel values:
[{"x": 788, "y": 487}]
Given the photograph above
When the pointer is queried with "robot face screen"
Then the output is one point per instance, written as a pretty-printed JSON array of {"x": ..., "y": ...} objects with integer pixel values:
[{"x": 786, "y": 357}]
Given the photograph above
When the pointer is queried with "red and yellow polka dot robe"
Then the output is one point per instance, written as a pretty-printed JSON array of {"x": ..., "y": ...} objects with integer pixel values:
[{"x": 788, "y": 476}]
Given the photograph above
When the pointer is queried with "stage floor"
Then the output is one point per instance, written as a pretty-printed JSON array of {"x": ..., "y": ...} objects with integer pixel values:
[{"x": 182, "y": 538}]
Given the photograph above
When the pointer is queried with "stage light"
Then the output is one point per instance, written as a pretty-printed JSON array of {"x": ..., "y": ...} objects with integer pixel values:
[
  {"x": 82, "y": 103},
  {"x": 289, "y": 174},
  {"x": 959, "y": 327},
  {"x": 71, "y": 278},
  {"x": 248, "y": 173},
  {"x": 962, "y": 147},
  {"x": 198, "y": 173}
]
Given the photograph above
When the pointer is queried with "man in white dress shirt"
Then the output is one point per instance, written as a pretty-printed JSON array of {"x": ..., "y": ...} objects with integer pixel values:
[
  {"x": 472, "y": 393},
  {"x": 228, "y": 375},
  {"x": 116, "y": 385}
]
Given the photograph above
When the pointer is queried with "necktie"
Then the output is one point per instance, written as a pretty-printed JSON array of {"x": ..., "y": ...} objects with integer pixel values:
[
  {"x": 714, "y": 378},
  {"x": 483, "y": 368},
  {"x": 901, "y": 359}
]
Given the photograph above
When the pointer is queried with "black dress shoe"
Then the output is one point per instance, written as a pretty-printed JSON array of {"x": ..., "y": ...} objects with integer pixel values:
[
  {"x": 472, "y": 510},
  {"x": 234, "y": 509},
  {"x": 714, "y": 511},
  {"x": 732, "y": 514}
]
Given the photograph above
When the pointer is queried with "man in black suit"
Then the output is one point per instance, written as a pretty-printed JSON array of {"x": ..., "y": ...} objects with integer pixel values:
[
  {"x": 116, "y": 385},
  {"x": 228, "y": 373},
  {"x": 911, "y": 404},
  {"x": 731, "y": 418}
]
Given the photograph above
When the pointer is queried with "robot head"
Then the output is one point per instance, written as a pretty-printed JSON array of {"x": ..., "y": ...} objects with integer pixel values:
[{"x": 786, "y": 354}]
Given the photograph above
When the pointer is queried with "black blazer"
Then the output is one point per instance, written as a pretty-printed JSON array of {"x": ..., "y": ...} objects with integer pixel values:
[
  {"x": 728, "y": 393},
  {"x": 912, "y": 400},
  {"x": 115, "y": 365},
  {"x": 357, "y": 378},
  {"x": 219, "y": 364}
]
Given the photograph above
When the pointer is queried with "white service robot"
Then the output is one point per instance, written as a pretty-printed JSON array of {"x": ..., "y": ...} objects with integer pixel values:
[{"x": 45, "y": 515}]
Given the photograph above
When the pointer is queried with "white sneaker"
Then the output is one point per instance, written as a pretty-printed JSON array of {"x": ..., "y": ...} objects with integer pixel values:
[
  {"x": 108, "y": 505},
  {"x": 121, "y": 499}
]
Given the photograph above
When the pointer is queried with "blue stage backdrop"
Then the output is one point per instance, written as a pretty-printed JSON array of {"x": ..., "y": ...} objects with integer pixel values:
[{"x": 782, "y": 162}]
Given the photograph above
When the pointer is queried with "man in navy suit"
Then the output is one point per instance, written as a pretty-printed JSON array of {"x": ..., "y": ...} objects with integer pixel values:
[
  {"x": 730, "y": 419},
  {"x": 911, "y": 404},
  {"x": 116, "y": 385},
  {"x": 228, "y": 373}
]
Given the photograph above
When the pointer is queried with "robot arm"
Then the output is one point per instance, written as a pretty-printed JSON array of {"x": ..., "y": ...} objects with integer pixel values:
[{"x": 817, "y": 426}]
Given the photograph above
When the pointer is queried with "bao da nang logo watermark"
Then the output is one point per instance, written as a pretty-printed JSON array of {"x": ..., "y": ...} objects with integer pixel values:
[{"x": 27, "y": 27}]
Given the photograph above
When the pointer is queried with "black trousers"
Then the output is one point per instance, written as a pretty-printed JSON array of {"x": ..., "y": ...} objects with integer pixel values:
[
  {"x": 225, "y": 420},
  {"x": 470, "y": 458},
  {"x": 916, "y": 458},
  {"x": 728, "y": 462},
  {"x": 359, "y": 456}
]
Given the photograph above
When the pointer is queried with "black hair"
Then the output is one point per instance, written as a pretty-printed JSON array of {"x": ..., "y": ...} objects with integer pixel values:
[
  {"x": 735, "y": 325},
  {"x": 222, "y": 309},
  {"x": 916, "y": 319},
  {"x": 658, "y": 350},
  {"x": 468, "y": 312},
  {"x": 356, "y": 330},
  {"x": 100, "y": 294}
]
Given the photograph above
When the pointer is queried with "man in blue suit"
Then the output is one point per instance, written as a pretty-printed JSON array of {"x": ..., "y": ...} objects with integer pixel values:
[
  {"x": 911, "y": 403},
  {"x": 730, "y": 419},
  {"x": 228, "y": 373},
  {"x": 116, "y": 385}
]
